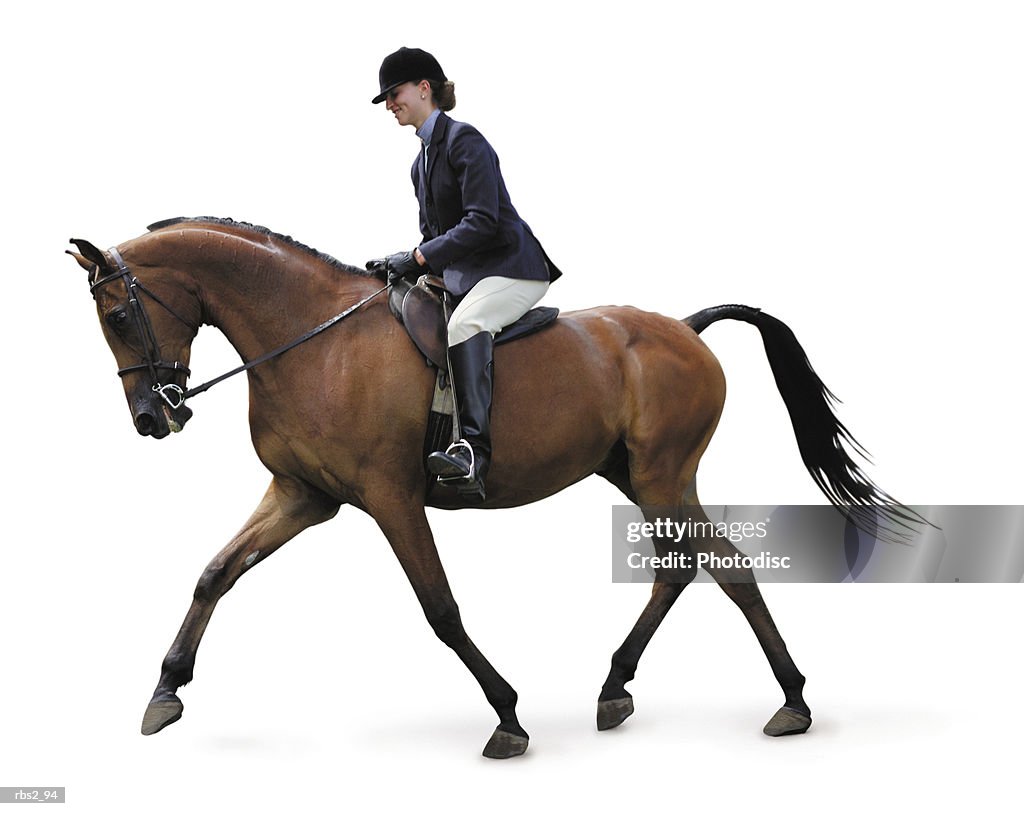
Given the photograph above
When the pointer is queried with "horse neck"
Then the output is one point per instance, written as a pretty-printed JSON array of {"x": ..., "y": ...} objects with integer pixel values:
[{"x": 259, "y": 291}]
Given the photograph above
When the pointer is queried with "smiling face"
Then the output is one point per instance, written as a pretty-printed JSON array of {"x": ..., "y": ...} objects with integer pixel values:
[{"x": 411, "y": 103}]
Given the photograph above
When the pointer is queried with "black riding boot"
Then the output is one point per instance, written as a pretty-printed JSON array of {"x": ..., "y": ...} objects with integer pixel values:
[{"x": 465, "y": 462}]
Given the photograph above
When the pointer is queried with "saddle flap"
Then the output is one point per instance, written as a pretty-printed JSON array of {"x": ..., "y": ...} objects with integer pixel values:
[{"x": 423, "y": 316}]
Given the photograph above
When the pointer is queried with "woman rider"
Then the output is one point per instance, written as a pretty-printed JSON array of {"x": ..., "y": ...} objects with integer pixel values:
[{"x": 473, "y": 237}]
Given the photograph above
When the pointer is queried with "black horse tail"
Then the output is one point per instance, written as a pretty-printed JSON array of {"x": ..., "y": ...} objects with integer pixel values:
[{"x": 822, "y": 438}]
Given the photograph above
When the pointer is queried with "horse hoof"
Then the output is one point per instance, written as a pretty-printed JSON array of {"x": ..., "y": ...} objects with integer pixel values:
[
  {"x": 503, "y": 745},
  {"x": 611, "y": 713},
  {"x": 787, "y": 721},
  {"x": 161, "y": 713}
]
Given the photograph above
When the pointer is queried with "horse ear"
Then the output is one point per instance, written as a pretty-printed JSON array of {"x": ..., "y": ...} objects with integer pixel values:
[
  {"x": 90, "y": 257},
  {"x": 83, "y": 262}
]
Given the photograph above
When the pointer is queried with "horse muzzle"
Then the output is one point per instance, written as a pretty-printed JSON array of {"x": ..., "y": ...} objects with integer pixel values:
[{"x": 153, "y": 416}]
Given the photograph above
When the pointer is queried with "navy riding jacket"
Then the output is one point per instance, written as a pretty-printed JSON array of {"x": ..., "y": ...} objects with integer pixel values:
[{"x": 470, "y": 228}]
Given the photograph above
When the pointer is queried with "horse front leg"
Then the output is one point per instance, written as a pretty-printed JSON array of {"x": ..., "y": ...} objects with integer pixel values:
[
  {"x": 287, "y": 509},
  {"x": 410, "y": 537}
]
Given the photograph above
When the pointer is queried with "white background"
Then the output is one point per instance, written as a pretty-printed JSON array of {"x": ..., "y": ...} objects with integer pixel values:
[{"x": 854, "y": 169}]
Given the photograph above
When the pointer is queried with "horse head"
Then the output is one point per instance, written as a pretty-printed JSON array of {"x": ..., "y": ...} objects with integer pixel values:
[{"x": 149, "y": 327}]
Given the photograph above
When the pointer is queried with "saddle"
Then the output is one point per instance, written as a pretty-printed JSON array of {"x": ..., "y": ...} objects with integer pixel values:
[{"x": 423, "y": 308}]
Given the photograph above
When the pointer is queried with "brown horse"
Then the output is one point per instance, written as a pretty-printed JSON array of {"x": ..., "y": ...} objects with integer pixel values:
[{"x": 629, "y": 395}]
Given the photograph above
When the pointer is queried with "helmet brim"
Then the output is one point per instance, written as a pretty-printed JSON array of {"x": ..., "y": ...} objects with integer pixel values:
[{"x": 384, "y": 94}]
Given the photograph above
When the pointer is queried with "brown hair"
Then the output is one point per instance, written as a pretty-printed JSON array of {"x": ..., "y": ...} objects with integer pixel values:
[{"x": 443, "y": 94}]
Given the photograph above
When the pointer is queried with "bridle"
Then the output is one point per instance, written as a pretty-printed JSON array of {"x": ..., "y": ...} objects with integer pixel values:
[{"x": 174, "y": 395}]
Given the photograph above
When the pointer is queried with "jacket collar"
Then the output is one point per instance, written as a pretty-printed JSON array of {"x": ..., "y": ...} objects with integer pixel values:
[
  {"x": 440, "y": 128},
  {"x": 440, "y": 132}
]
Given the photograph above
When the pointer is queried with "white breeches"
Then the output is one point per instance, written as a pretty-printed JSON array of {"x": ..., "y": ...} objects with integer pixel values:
[{"x": 492, "y": 304}]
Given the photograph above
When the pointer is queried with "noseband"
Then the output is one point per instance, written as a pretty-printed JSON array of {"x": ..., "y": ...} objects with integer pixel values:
[{"x": 172, "y": 394}]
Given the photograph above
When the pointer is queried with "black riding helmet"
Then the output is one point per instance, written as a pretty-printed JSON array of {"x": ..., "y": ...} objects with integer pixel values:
[{"x": 407, "y": 65}]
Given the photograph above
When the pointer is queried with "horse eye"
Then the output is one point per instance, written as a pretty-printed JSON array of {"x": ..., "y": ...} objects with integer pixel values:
[{"x": 117, "y": 318}]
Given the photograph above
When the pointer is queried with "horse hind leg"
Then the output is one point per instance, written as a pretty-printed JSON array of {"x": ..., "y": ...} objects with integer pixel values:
[
  {"x": 738, "y": 582},
  {"x": 615, "y": 704}
]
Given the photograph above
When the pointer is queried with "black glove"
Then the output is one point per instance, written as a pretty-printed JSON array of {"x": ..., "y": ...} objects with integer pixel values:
[
  {"x": 378, "y": 266},
  {"x": 396, "y": 266}
]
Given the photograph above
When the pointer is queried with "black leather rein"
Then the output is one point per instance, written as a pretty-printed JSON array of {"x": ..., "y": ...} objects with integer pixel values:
[{"x": 174, "y": 395}]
